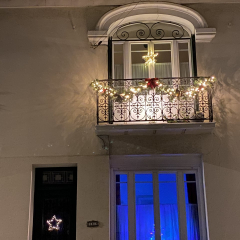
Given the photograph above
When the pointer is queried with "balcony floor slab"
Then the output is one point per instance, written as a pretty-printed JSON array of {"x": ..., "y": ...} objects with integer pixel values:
[{"x": 155, "y": 129}]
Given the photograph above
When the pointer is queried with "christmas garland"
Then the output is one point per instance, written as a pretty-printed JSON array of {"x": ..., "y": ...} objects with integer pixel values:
[{"x": 155, "y": 84}]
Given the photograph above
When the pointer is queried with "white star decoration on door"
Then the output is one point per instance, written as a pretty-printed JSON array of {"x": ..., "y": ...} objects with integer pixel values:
[{"x": 53, "y": 224}]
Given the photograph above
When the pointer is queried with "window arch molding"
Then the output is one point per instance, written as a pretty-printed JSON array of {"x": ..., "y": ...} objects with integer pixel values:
[{"x": 152, "y": 11}]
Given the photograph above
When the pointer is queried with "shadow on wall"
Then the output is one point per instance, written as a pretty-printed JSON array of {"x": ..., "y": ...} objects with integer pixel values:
[
  {"x": 72, "y": 98},
  {"x": 2, "y": 106},
  {"x": 226, "y": 98}
]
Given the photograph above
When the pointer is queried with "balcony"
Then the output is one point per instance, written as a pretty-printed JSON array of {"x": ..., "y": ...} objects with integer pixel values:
[{"x": 126, "y": 106}]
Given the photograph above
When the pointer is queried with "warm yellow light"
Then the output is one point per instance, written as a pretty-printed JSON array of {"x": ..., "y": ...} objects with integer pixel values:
[
  {"x": 133, "y": 90},
  {"x": 150, "y": 58},
  {"x": 56, "y": 227}
]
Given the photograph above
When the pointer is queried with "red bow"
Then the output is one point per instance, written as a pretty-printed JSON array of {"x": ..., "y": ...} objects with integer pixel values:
[{"x": 151, "y": 82}]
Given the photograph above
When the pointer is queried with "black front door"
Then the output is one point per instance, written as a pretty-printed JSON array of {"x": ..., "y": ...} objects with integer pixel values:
[{"x": 55, "y": 204}]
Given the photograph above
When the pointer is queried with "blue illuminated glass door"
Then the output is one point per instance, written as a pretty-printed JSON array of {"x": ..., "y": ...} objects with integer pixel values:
[
  {"x": 121, "y": 207},
  {"x": 169, "y": 216},
  {"x": 157, "y": 205},
  {"x": 145, "y": 228}
]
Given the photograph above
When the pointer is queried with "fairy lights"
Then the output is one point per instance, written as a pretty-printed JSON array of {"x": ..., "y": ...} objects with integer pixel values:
[
  {"x": 155, "y": 84},
  {"x": 54, "y": 223},
  {"x": 150, "y": 58}
]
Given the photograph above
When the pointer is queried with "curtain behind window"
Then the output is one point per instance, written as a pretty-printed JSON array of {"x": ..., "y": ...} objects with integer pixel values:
[
  {"x": 169, "y": 219},
  {"x": 163, "y": 70}
]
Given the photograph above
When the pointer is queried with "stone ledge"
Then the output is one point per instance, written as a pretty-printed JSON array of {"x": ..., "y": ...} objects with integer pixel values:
[{"x": 155, "y": 129}]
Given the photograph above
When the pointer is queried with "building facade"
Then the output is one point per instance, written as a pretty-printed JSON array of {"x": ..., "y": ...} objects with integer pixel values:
[{"x": 141, "y": 169}]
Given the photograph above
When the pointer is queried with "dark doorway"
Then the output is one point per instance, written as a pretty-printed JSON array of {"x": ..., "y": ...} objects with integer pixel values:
[{"x": 55, "y": 195}]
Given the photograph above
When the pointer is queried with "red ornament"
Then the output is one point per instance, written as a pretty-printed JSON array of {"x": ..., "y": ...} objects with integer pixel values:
[
  {"x": 151, "y": 82},
  {"x": 201, "y": 88},
  {"x": 103, "y": 90}
]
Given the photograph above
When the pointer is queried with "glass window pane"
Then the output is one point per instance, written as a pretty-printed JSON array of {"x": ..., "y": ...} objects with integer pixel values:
[
  {"x": 183, "y": 46},
  {"x": 118, "y": 61},
  {"x": 121, "y": 178},
  {"x": 121, "y": 208},
  {"x": 191, "y": 207},
  {"x": 143, "y": 178},
  {"x": 166, "y": 177},
  {"x": 144, "y": 208},
  {"x": 184, "y": 60},
  {"x": 163, "y": 65},
  {"x": 139, "y": 68},
  {"x": 189, "y": 177},
  {"x": 162, "y": 46},
  {"x": 168, "y": 207}
]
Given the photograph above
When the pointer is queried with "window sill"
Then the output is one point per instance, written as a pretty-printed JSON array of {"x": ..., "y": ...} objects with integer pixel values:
[{"x": 155, "y": 129}]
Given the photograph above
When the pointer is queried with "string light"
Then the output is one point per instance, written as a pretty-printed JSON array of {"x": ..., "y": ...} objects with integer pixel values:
[
  {"x": 150, "y": 58},
  {"x": 198, "y": 86},
  {"x": 50, "y": 223}
]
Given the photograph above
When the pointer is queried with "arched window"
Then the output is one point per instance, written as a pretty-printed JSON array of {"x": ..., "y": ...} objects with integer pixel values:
[{"x": 170, "y": 42}]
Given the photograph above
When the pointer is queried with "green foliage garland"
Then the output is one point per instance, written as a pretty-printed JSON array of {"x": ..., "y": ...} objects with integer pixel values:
[{"x": 181, "y": 92}]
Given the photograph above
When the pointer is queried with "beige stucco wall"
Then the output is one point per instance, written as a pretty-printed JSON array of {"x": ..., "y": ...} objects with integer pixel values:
[
  {"x": 90, "y": 3},
  {"x": 17, "y": 192},
  {"x": 48, "y": 116}
]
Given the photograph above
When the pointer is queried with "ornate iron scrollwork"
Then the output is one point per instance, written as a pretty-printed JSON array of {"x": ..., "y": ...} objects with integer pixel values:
[
  {"x": 148, "y": 31},
  {"x": 151, "y": 105},
  {"x": 159, "y": 32},
  {"x": 142, "y": 34}
]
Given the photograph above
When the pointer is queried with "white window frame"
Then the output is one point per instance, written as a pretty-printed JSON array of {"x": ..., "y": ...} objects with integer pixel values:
[
  {"x": 180, "y": 164},
  {"x": 127, "y": 59}
]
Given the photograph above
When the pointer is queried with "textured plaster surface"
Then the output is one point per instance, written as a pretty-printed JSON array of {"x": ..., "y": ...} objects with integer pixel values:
[
  {"x": 223, "y": 194},
  {"x": 48, "y": 115},
  {"x": 85, "y": 3},
  {"x": 48, "y": 107}
]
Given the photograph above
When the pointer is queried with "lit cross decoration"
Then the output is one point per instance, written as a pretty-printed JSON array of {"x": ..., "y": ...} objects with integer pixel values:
[
  {"x": 53, "y": 224},
  {"x": 150, "y": 58}
]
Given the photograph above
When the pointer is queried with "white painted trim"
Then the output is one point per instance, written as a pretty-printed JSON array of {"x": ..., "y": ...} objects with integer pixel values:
[
  {"x": 201, "y": 209},
  {"x": 95, "y": 37},
  {"x": 151, "y": 8},
  {"x": 166, "y": 161},
  {"x": 204, "y": 199},
  {"x": 190, "y": 60},
  {"x": 175, "y": 59},
  {"x": 127, "y": 60},
  {"x": 131, "y": 207},
  {"x": 191, "y": 20},
  {"x": 205, "y": 34},
  {"x": 112, "y": 222},
  {"x": 181, "y": 205},
  {"x": 156, "y": 208},
  {"x": 31, "y": 204}
]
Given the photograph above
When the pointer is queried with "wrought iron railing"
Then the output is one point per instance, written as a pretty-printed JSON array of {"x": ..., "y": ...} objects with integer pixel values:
[{"x": 153, "y": 106}]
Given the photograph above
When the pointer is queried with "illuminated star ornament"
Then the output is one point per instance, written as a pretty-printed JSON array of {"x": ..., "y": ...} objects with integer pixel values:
[
  {"x": 150, "y": 58},
  {"x": 53, "y": 224}
]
